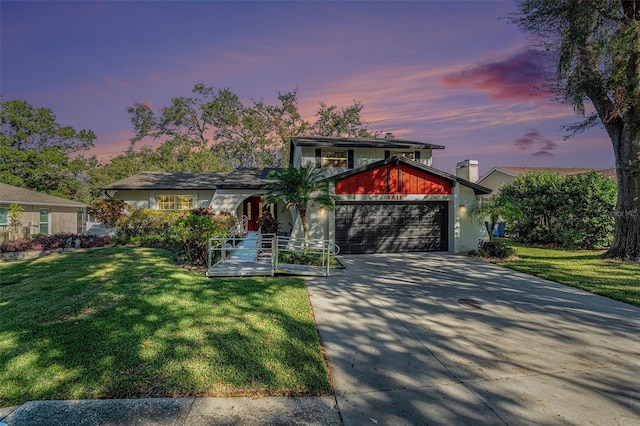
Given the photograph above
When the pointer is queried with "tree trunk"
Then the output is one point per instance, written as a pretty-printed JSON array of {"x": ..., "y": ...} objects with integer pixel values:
[
  {"x": 626, "y": 241},
  {"x": 303, "y": 218}
]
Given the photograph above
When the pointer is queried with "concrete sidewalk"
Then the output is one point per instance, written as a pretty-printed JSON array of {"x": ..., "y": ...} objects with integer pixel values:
[
  {"x": 445, "y": 339},
  {"x": 179, "y": 411}
]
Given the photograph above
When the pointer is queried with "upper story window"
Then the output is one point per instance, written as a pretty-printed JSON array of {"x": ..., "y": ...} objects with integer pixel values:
[
  {"x": 334, "y": 158},
  {"x": 409, "y": 155},
  {"x": 175, "y": 202}
]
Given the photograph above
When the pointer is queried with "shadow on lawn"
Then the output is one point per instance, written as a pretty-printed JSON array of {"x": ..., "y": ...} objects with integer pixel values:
[
  {"x": 124, "y": 323},
  {"x": 501, "y": 359}
]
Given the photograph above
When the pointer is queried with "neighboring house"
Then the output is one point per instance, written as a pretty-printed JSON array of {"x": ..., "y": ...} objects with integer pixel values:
[
  {"x": 499, "y": 176},
  {"x": 42, "y": 213},
  {"x": 391, "y": 198}
]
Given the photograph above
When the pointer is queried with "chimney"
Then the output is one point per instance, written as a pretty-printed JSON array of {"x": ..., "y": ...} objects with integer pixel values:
[
  {"x": 468, "y": 169},
  {"x": 389, "y": 136}
]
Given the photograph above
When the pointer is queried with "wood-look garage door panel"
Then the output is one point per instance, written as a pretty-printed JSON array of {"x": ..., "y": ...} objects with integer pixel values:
[{"x": 391, "y": 227}]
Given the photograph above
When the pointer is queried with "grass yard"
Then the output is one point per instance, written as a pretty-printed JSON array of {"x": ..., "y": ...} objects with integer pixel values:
[
  {"x": 127, "y": 323},
  {"x": 584, "y": 269}
]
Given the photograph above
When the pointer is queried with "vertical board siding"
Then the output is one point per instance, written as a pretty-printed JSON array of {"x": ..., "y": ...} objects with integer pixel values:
[{"x": 374, "y": 181}]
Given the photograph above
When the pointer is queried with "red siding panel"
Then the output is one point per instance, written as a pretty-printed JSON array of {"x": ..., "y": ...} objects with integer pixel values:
[{"x": 374, "y": 181}]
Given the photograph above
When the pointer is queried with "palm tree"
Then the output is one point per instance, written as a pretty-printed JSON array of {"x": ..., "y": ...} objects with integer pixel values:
[{"x": 297, "y": 188}]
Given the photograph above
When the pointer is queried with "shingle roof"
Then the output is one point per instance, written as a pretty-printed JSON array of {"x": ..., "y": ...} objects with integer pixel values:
[
  {"x": 392, "y": 143},
  {"x": 239, "y": 178},
  {"x": 10, "y": 194},
  {"x": 247, "y": 178},
  {"x": 169, "y": 180}
]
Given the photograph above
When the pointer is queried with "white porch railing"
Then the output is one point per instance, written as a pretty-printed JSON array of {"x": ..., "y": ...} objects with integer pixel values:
[{"x": 259, "y": 250}]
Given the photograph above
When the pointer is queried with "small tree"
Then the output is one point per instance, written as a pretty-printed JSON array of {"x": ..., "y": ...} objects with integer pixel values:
[
  {"x": 108, "y": 211},
  {"x": 489, "y": 211},
  {"x": 15, "y": 215},
  {"x": 298, "y": 189}
]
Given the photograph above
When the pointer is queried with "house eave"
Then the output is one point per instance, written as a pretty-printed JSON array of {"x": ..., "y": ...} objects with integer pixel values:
[{"x": 37, "y": 203}]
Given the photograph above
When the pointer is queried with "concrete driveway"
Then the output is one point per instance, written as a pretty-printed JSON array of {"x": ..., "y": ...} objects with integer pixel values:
[{"x": 444, "y": 339}]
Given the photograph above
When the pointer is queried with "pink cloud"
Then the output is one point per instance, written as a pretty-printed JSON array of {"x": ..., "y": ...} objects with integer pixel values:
[
  {"x": 520, "y": 77},
  {"x": 533, "y": 140},
  {"x": 121, "y": 83}
]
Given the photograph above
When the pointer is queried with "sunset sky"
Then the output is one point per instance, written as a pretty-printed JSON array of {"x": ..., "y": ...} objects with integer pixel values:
[{"x": 453, "y": 73}]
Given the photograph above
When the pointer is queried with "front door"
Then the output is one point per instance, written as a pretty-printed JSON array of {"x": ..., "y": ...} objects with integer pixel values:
[{"x": 251, "y": 208}]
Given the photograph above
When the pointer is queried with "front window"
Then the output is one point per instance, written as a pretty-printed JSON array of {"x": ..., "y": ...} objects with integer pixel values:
[
  {"x": 175, "y": 202},
  {"x": 334, "y": 158},
  {"x": 3, "y": 216},
  {"x": 184, "y": 202},
  {"x": 44, "y": 221},
  {"x": 409, "y": 155},
  {"x": 81, "y": 220}
]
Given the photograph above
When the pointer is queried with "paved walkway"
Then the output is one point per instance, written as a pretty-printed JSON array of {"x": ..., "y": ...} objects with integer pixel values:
[
  {"x": 444, "y": 339},
  {"x": 175, "y": 412}
]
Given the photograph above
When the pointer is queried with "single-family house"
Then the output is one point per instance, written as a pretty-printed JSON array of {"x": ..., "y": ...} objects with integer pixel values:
[
  {"x": 43, "y": 213},
  {"x": 391, "y": 199}
]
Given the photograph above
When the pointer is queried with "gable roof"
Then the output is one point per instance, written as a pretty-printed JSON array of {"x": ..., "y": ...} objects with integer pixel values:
[
  {"x": 240, "y": 178},
  {"x": 333, "y": 142},
  {"x": 10, "y": 194},
  {"x": 477, "y": 189}
]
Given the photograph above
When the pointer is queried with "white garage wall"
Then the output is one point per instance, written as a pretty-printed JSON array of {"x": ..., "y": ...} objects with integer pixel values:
[{"x": 466, "y": 231}]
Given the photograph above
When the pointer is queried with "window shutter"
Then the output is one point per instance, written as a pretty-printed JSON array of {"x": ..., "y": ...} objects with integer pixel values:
[
  {"x": 416, "y": 155},
  {"x": 318, "y": 157},
  {"x": 350, "y": 159},
  {"x": 387, "y": 154}
]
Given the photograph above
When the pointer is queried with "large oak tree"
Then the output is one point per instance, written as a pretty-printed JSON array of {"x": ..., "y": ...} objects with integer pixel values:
[
  {"x": 38, "y": 153},
  {"x": 254, "y": 134},
  {"x": 597, "y": 46}
]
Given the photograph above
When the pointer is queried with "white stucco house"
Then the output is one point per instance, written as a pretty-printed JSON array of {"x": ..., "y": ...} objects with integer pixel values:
[{"x": 391, "y": 199}]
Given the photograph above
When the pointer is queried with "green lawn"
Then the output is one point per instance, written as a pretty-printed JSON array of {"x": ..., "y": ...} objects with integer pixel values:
[
  {"x": 126, "y": 323},
  {"x": 583, "y": 269}
]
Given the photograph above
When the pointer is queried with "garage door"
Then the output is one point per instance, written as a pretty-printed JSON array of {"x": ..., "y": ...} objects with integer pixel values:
[{"x": 390, "y": 227}]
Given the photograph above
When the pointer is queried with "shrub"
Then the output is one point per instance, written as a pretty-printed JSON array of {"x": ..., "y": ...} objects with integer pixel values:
[
  {"x": 52, "y": 242},
  {"x": 191, "y": 234},
  {"x": 495, "y": 249},
  {"x": 574, "y": 211},
  {"x": 141, "y": 222},
  {"x": 300, "y": 258},
  {"x": 108, "y": 212},
  {"x": 185, "y": 233},
  {"x": 268, "y": 224}
]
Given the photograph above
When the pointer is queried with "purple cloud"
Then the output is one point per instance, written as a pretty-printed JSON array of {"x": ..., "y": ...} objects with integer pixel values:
[
  {"x": 517, "y": 78},
  {"x": 533, "y": 140}
]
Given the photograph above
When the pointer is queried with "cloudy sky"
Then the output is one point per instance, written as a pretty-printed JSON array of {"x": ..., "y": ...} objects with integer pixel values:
[{"x": 454, "y": 73}]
